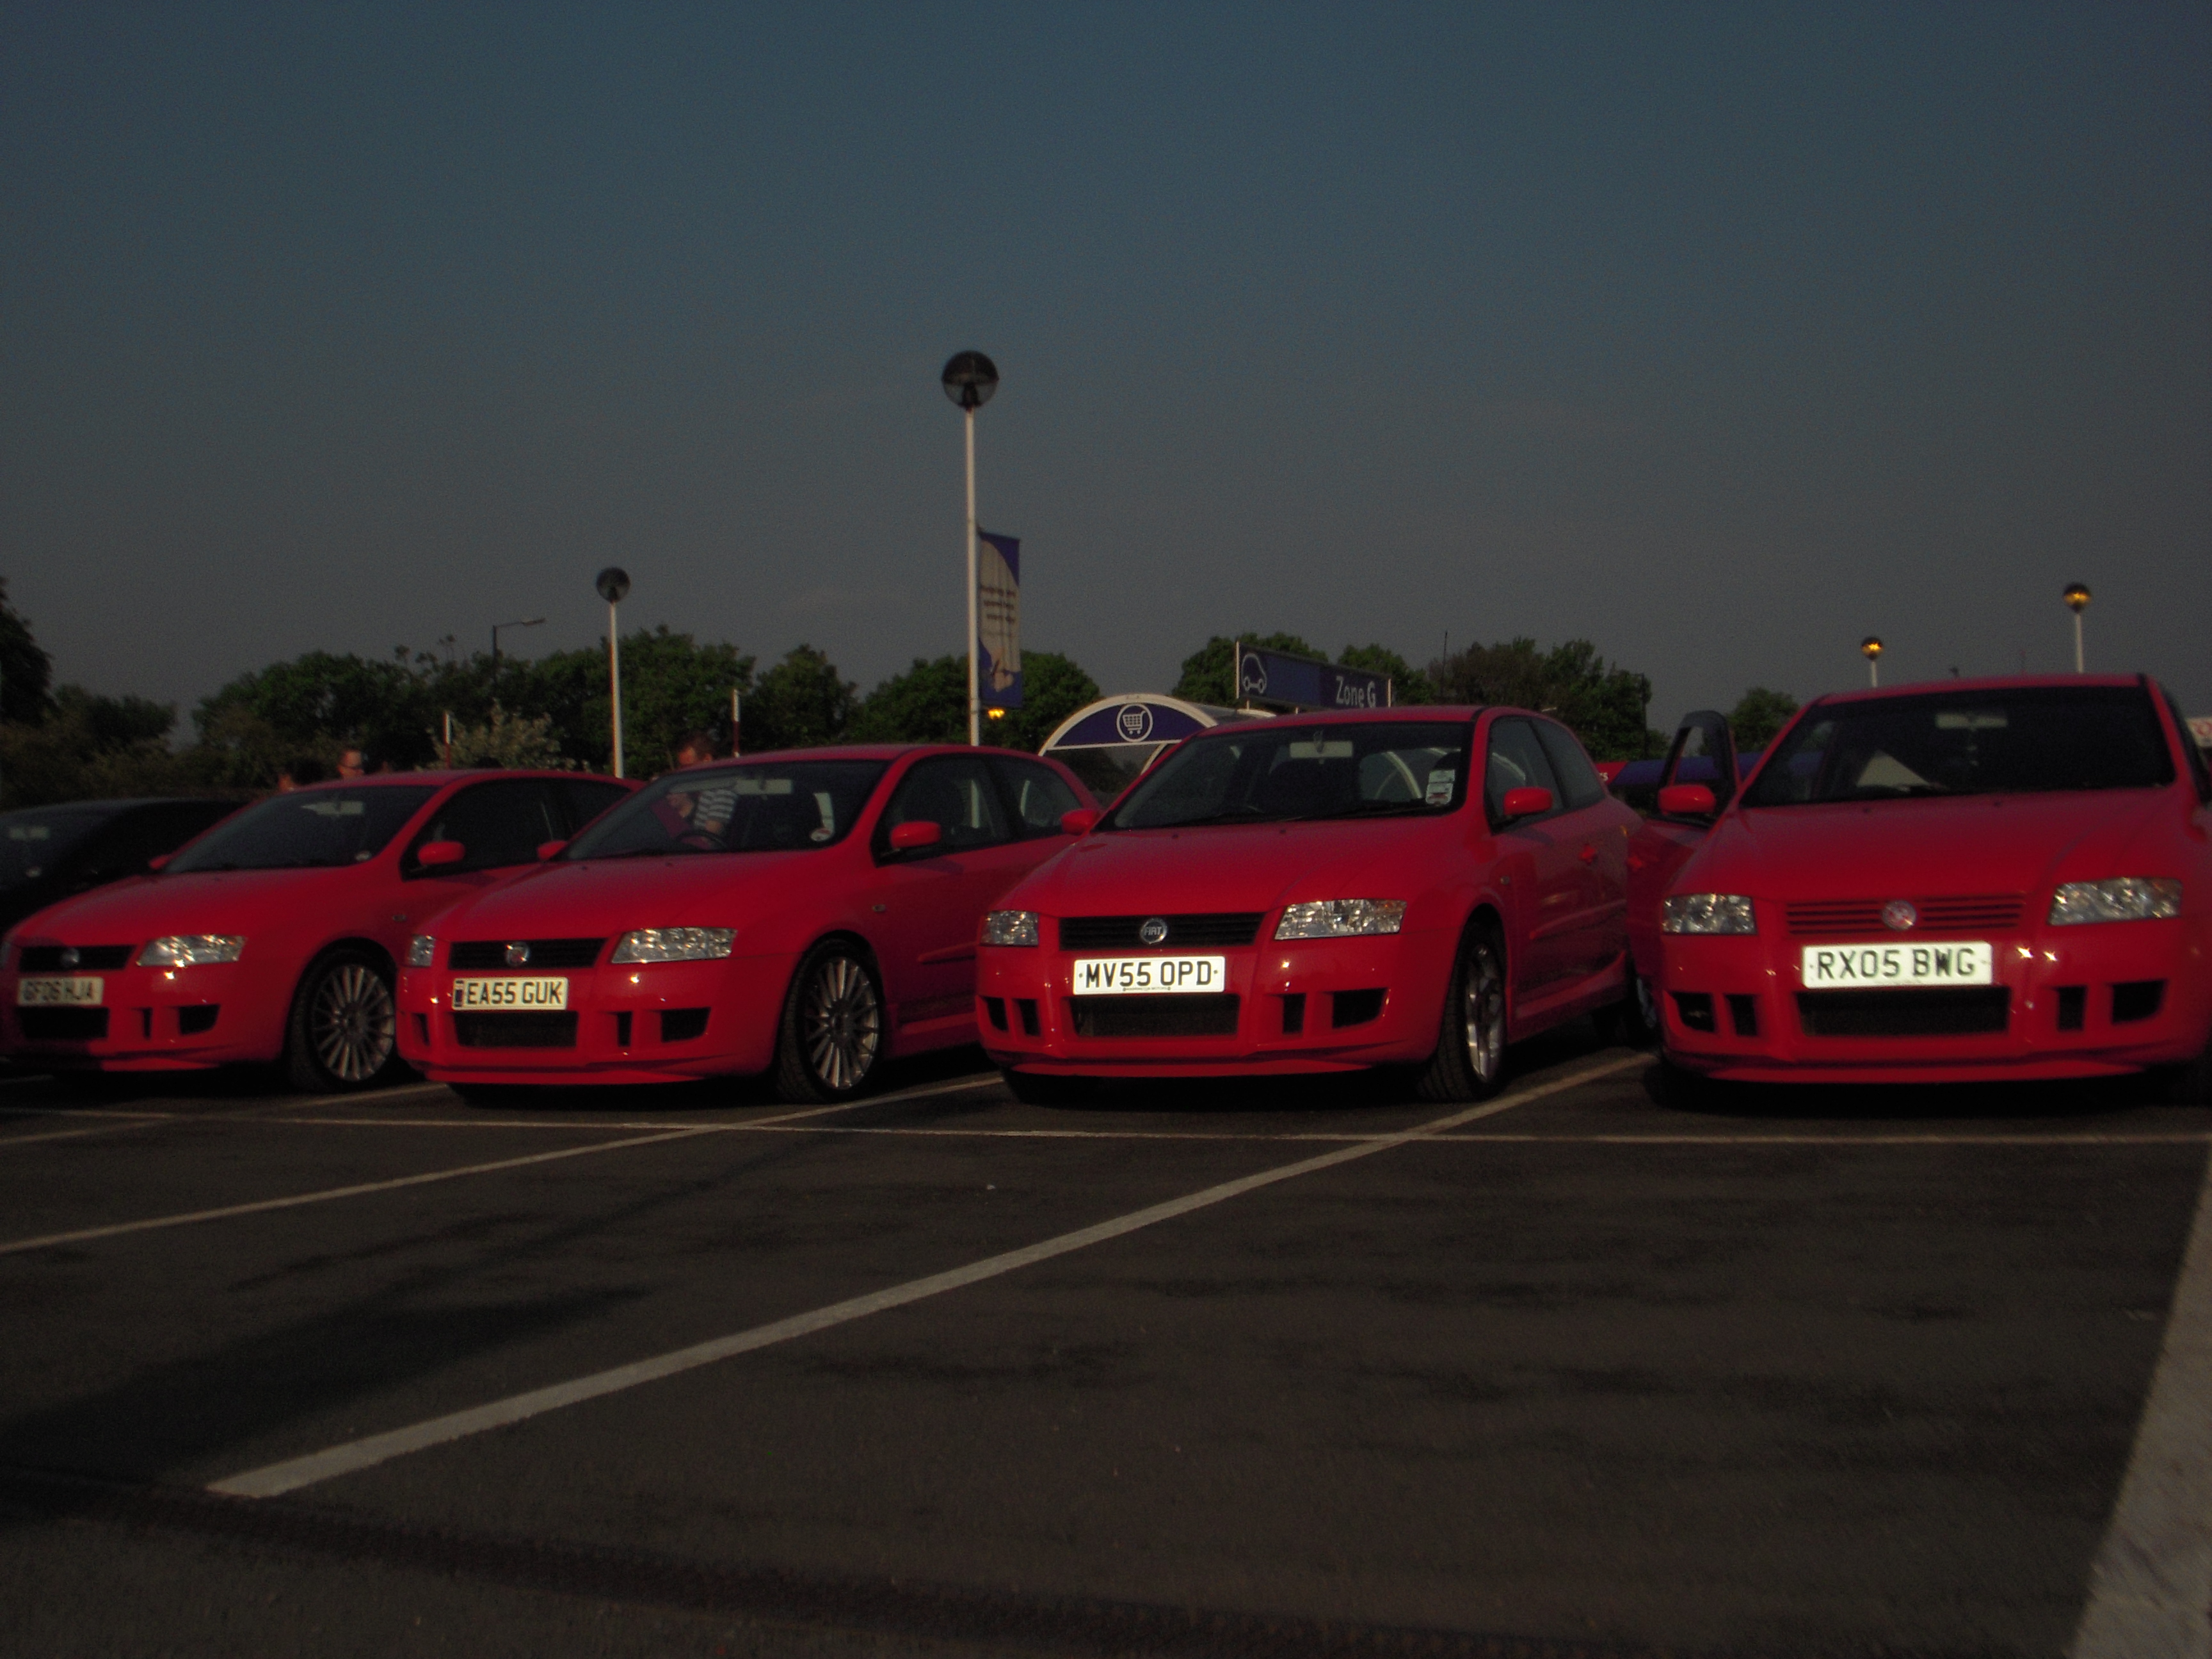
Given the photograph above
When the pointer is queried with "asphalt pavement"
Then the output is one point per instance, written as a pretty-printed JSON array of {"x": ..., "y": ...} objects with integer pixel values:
[{"x": 1286, "y": 1368}]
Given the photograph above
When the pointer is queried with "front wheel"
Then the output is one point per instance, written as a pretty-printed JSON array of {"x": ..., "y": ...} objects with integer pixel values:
[
  {"x": 344, "y": 1029},
  {"x": 1469, "y": 1063},
  {"x": 832, "y": 1031}
]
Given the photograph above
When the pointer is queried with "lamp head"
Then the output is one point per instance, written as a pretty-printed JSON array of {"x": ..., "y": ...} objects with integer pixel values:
[
  {"x": 1870, "y": 647},
  {"x": 613, "y": 583},
  {"x": 2077, "y": 597},
  {"x": 969, "y": 379}
]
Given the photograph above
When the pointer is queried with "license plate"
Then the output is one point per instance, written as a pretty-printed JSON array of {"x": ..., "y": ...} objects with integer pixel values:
[
  {"x": 60, "y": 991},
  {"x": 1129, "y": 976},
  {"x": 1851, "y": 966},
  {"x": 469, "y": 993}
]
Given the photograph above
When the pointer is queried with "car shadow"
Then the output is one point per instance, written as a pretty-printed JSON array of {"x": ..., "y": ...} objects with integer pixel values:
[{"x": 2049, "y": 1102}]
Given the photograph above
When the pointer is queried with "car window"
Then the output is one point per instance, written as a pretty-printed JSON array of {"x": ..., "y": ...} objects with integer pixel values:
[
  {"x": 308, "y": 829},
  {"x": 33, "y": 842},
  {"x": 1578, "y": 778},
  {"x": 124, "y": 846},
  {"x": 954, "y": 792},
  {"x": 2193, "y": 757},
  {"x": 1517, "y": 760},
  {"x": 500, "y": 824},
  {"x": 586, "y": 798},
  {"x": 1287, "y": 770},
  {"x": 746, "y": 807},
  {"x": 1038, "y": 795}
]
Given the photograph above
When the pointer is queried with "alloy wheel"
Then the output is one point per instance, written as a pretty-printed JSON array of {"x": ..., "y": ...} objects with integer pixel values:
[
  {"x": 1484, "y": 1015},
  {"x": 351, "y": 1023},
  {"x": 840, "y": 1023}
]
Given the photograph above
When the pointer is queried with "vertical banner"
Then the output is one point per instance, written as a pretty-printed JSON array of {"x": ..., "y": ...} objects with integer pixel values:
[{"x": 998, "y": 621}]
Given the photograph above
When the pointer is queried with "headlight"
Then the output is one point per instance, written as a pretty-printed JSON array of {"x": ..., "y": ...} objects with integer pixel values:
[
  {"x": 674, "y": 945},
  {"x": 2123, "y": 898},
  {"x": 1335, "y": 918},
  {"x": 1707, "y": 913},
  {"x": 422, "y": 951},
  {"x": 1010, "y": 928},
  {"x": 190, "y": 950}
]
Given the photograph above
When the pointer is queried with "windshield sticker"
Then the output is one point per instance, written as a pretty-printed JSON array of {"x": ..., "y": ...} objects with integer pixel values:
[
  {"x": 827, "y": 829},
  {"x": 1323, "y": 749},
  {"x": 28, "y": 832},
  {"x": 763, "y": 785},
  {"x": 1961, "y": 720},
  {"x": 336, "y": 808},
  {"x": 1439, "y": 792}
]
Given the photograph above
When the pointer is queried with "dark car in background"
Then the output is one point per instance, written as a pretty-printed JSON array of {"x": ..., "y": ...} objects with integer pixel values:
[{"x": 48, "y": 854}]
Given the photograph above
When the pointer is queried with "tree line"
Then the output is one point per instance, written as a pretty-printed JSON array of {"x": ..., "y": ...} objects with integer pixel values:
[{"x": 64, "y": 743}]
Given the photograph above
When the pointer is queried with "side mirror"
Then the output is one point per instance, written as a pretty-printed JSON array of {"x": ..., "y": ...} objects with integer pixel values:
[
  {"x": 436, "y": 854},
  {"x": 1080, "y": 821},
  {"x": 1687, "y": 800},
  {"x": 914, "y": 837},
  {"x": 160, "y": 861},
  {"x": 549, "y": 849},
  {"x": 1527, "y": 802}
]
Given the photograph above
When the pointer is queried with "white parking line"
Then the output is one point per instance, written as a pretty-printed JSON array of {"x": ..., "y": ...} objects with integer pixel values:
[
  {"x": 361, "y": 1188},
  {"x": 2150, "y": 1587},
  {"x": 358, "y": 1454},
  {"x": 76, "y": 1134}
]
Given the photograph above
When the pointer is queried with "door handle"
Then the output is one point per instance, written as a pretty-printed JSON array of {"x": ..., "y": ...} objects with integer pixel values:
[{"x": 1589, "y": 855}]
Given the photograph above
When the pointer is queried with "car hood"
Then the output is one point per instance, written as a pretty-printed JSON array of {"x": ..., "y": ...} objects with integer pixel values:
[
  {"x": 201, "y": 902},
  {"x": 1236, "y": 867},
  {"x": 604, "y": 897},
  {"x": 1968, "y": 844}
]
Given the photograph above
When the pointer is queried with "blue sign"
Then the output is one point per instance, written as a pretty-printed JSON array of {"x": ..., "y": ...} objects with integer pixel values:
[
  {"x": 1136, "y": 721},
  {"x": 998, "y": 620},
  {"x": 1302, "y": 682}
]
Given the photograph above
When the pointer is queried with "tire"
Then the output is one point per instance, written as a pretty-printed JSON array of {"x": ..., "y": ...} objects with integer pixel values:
[
  {"x": 831, "y": 1036},
  {"x": 1469, "y": 1063},
  {"x": 1634, "y": 1019},
  {"x": 343, "y": 1033},
  {"x": 1045, "y": 1089}
]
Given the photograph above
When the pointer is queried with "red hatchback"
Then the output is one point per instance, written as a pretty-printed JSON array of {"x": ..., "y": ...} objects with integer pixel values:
[
  {"x": 276, "y": 934},
  {"x": 813, "y": 911},
  {"x": 1320, "y": 893},
  {"x": 1977, "y": 879}
]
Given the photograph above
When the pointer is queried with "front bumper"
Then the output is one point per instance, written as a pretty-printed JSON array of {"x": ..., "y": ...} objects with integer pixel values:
[
  {"x": 653, "y": 1022},
  {"x": 2067, "y": 1002},
  {"x": 152, "y": 1019},
  {"x": 1329, "y": 1005}
]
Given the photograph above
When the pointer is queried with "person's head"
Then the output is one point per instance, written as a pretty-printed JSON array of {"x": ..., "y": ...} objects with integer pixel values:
[
  {"x": 353, "y": 763},
  {"x": 696, "y": 747}
]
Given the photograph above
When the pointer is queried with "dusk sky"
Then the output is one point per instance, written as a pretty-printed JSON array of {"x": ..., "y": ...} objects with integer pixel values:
[{"x": 1720, "y": 336}]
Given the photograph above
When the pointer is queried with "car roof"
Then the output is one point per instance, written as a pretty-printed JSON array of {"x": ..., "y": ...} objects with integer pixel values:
[
  {"x": 457, "y": 774},
  {"x": 882, "y": 752},
  {"x": 1988, "y": 683}
]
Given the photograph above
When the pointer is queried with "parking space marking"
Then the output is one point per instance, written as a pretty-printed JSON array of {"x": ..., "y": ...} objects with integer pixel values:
[
  {"x": 75, "y": 1135},
  {"x": 329, "y": 1194},
  {"x": 358, "y": 1454},
  {"x": 2150, "y": 1587}
]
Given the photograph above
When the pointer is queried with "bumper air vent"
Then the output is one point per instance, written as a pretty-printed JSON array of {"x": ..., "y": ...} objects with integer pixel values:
[
  {"x": 1154, "y": 1017},
  {"x": 62, "y": 1024},
  {"x": 1695, "y": 1009},
  {"x": 535, "y": 1028},
  {"x": 1962, "y": 1011},
  {"x": 2138, "y": 999}
]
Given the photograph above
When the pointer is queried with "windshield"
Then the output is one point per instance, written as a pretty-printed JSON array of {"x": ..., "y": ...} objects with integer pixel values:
[
  {"x": 1284, "y": 769},
  {"x": 307, "y": 828},
  {"x": 765, "y": 808},
  {"x": 32, "y": 840},
  {"x": 2031, "y": 740}
]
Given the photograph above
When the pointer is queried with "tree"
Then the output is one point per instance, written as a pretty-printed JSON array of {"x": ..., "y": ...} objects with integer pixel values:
[
  {"x": 1602, "y": 704},
  {"x": 26, "y": 670},
  {"x": 800, "y": 703},
  {"x": 1209, "y": 675},
  {"x": 928, "y": 703},
  {"x": 1759, "y": 715},
  {"x": 91, "y": 747},
  {"x": 1053, "y": 688},
  {"x": 506, "y": 740}
]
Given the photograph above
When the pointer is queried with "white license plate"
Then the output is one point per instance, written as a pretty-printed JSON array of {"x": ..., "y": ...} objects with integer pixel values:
[
  {"x": 60, "y": 991},
  {"x": 1851, "y": 967},
  {"x": 1129, "y": 976},
  {"x": 469, "y": 993}
]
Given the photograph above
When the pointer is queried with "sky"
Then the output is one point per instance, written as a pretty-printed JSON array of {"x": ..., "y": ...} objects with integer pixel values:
[{"x": 1720, "y": 336}]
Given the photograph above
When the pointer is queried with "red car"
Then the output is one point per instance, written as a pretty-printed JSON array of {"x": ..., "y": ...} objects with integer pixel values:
[
  {"x": 814, "y": 911},
  {"x": 276, "y": 935},
  {"x": 1320, "y": 893},
  {"x": 1973, "y": 879}
]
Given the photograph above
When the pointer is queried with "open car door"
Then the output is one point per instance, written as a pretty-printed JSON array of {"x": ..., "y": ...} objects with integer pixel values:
[{"x": 1698, "y": 778}]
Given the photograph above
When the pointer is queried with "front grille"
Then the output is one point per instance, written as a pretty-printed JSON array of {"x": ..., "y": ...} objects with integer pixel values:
[
  {"x": 1185, "y": 932},
  {"x": 63, "y": 1024},
  {"x": 537, "y": 1029},
  {"x": 1982, "y": 913},
  {"x": 1154, "y": 1017},
  {"x": 543, "y": 952},
  {"x": 47, "y": 958},
  {"x": 1957, "y": 1010}
]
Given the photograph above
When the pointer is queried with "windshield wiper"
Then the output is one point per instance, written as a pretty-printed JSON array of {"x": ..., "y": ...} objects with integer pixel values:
[{"x": 1241, "y": 815}]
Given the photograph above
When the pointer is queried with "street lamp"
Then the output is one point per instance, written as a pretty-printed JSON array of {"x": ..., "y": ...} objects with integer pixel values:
[
  {"x": 1870, "y": 648},
  {"x": 613, "y": 582},
  {"x": 969, "y": 379},
  {"x": 534, "y": 621},
  {"x": 2077, "y": 601}
]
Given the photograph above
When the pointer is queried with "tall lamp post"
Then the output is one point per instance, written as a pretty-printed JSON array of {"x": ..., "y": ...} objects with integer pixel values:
[
  {"x": 969, "y": 379},
  {"x": 2077, "y": 601},
  {"x": 534, "y": 621},
  {"x": 1870, "y": 648},
  {"x": 613, "y": 582}
]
